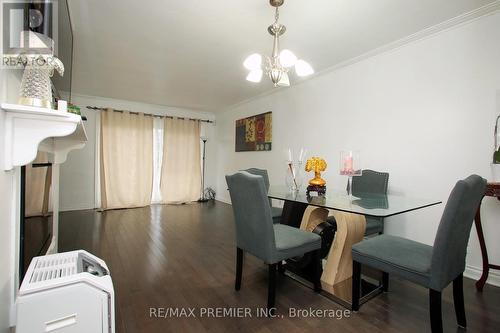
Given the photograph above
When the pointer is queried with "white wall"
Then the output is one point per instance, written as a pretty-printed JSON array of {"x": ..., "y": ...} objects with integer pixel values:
[
  {"x": 78, "y": 172},
  {"x": 424, "y": 112}
]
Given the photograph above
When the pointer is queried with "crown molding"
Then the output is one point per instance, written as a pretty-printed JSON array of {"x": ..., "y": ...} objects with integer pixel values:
[{"x": 452, "y": 23}]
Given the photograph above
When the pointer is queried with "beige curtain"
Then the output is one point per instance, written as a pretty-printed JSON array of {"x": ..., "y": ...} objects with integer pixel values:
[
  {"x": 126, "y": 159},
  {"x": 37, "y": 190},
  {"x": 181, "y": 171}
]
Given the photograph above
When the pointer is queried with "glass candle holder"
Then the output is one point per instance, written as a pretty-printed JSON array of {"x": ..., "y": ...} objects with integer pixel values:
[{"x": 350, "y": 165}]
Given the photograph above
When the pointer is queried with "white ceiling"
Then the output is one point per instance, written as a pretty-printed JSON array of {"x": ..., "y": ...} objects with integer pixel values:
[{"x": 189, "y": 53}]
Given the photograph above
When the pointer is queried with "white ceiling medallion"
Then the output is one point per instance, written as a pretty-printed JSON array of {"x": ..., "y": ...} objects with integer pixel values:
[{"x": 279, "y": 63}]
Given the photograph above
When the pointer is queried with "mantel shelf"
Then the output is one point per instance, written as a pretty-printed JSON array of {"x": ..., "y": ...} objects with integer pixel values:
[{"x": 28, "y": 129}]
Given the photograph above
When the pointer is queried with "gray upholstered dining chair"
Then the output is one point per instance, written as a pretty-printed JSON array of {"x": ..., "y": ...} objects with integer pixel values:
[
  {"x": 257, "y": 235},
  {"x": 433, "y": 267},
  {"x": 275, "y": 211},
  {"x": 370, "y": 182}
]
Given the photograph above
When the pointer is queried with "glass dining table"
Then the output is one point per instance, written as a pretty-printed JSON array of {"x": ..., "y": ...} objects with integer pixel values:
[{"x": 349, "y": 212}]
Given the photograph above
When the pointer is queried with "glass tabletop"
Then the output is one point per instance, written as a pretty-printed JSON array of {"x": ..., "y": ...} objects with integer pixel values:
[{"x": 368, "y": 204}]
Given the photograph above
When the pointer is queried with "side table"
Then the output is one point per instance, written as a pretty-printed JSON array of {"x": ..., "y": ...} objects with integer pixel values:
[{"x": 492, "y": 190}]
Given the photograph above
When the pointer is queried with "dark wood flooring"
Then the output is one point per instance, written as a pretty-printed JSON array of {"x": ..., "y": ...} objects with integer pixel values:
[
  {"x": 184, "y": 256},
  {"x": 37, "y": 236}
]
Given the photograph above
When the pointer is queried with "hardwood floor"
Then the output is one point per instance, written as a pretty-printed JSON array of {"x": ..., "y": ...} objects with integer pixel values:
[{"x": 184, "y": 256}]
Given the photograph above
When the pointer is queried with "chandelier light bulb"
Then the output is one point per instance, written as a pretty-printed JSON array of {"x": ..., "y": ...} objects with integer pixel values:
[
  {"x": 285, "y": 81},
  {"x": 253, "y": 62},
  {"x": 255, "y": 75},
  {"x": 287, "y": 58},
  {"x": 302, "y": 68}
]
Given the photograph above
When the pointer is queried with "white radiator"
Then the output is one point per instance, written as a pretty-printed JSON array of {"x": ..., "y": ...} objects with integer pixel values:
[{"x": 69, "y": 292}]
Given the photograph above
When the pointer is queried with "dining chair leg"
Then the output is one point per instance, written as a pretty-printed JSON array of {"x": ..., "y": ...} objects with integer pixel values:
[
  {"x": 317, "y": 271},
  {"x": 271, "y": 293},
  {"x": 239, "y": 268},
  {"x": 435, "y": 311},
  {"x": 385, "y": 282},
  {"x": 356, "y": 285},
  {"x": 458, "y": 300}
]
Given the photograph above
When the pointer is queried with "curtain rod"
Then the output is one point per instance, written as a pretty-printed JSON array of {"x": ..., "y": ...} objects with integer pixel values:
[{"x": 149, "y": 114}]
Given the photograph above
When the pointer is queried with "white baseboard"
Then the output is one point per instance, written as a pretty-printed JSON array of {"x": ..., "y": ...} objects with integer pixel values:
[
  {"x": 223, "y": 199},
  {"x": 475, "y": 273},
  {"x": 76, "y": 207}
]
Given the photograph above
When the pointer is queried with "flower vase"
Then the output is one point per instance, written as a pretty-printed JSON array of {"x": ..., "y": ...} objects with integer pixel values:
[{"x": 294, "y": 176}]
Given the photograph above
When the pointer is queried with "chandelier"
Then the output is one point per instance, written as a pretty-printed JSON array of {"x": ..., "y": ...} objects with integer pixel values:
[{"x": 279, "y": 63}]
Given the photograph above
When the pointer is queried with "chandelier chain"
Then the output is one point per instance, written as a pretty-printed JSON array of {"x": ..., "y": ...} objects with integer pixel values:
[{"x": 276, "y": 15}]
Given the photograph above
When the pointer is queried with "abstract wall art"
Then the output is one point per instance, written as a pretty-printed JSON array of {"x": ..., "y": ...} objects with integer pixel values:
[{"x": 254, "y": 133}]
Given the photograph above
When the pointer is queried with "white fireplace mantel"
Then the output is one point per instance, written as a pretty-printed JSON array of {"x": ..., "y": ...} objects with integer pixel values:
[{"x": 28, "y": 129}]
